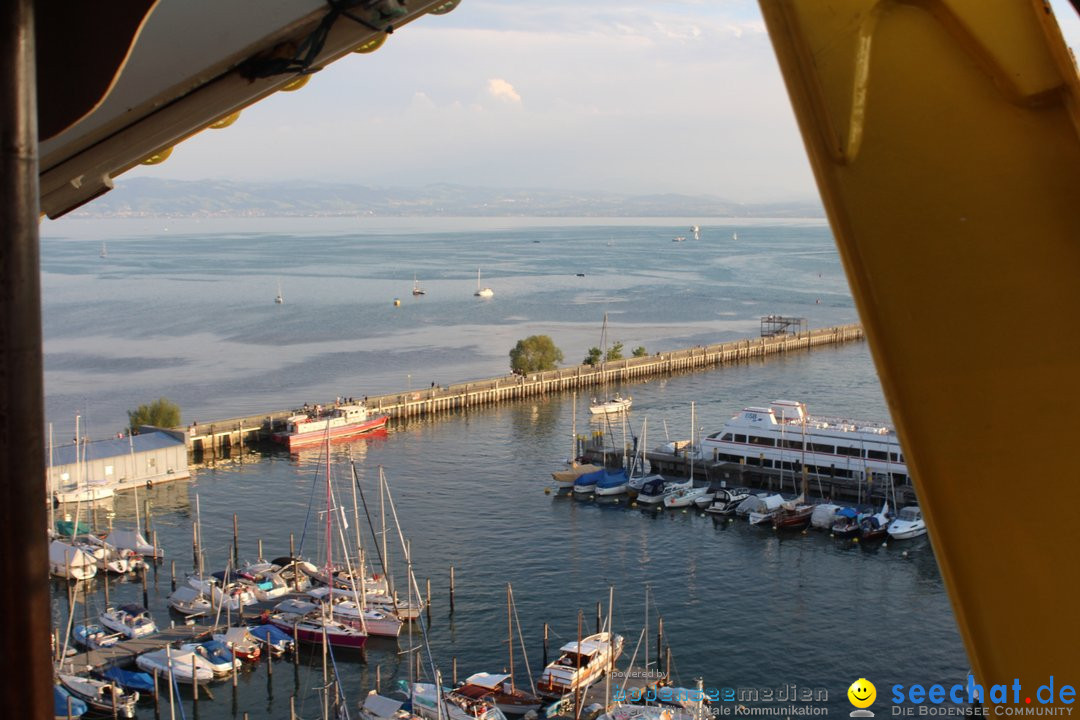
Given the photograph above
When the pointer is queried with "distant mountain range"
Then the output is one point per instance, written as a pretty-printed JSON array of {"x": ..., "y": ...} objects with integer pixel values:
[{"x": 151, "y": 197}]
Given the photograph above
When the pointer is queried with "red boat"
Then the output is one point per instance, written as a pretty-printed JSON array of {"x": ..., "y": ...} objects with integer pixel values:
[{"x": 343, "y": 421}]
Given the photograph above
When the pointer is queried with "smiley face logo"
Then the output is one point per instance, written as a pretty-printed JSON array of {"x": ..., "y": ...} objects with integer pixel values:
[{"x": 862, "y": 694}]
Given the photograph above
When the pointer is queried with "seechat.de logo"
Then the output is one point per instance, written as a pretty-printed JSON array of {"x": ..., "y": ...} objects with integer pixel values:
[{"x": 862, "y": 694}]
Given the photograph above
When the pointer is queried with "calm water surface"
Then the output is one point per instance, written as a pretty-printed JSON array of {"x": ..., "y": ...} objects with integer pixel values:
[{"x": 188, "y": 312}]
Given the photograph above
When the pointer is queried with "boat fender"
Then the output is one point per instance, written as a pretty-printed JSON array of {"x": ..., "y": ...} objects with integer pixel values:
[{"x": 149, "y": 484}]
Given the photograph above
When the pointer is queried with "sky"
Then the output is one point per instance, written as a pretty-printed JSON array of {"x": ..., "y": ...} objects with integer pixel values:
[{"x": 628, "y": 96}]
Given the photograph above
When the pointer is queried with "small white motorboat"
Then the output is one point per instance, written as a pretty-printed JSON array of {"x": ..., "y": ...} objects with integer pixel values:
[
  {"x": 131, "y": 621},
  {"x": 216, "y": 653},
  {"x": 189, "y": 601},
  {"x": 909, "y": 524},
  {"x": 684, "y": 496},
  {"x": 101, "y": 696},
  {"x": 616, "y": 404},
  {"x": 345, "y": 609}
]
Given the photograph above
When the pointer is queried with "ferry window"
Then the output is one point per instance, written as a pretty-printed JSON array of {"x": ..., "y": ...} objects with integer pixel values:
[
  {"x": 753, "y": 461},
  {"x": 822, "y": 448},
  {"x": 740, "y": 438},
  {"x": 758, "y": 440},
  {"x": 876, "y": 454},
  {"x": 727, "y": 436},
  {"x": 894, "y": 457},
  {"x": 841, "y": 473},
  {"x": 793, "y": 444},
  {"x": 850, "y": 451},
  {"x": 729, "y": 458}
]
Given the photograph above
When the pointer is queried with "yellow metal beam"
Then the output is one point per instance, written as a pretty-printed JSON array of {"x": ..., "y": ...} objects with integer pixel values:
[{"x": 943, "y": 136}]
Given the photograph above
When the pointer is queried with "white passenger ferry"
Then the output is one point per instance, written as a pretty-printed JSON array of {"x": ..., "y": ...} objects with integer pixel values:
[{"x": 783, "y": 437}]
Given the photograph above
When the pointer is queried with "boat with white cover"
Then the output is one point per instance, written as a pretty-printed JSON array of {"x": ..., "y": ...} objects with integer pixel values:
[
  {"x": 184, "y": 666},
  {"x": 909, "y": 524},
  {"x": 68, "y": 561}
]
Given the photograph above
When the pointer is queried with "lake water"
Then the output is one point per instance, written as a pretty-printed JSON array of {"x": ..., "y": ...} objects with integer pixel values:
[{"x": 185, "y": 309}]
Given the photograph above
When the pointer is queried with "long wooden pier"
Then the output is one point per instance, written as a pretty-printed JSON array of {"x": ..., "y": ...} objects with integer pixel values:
[
  {"x": 234, "y": 432},
  {"x": 124, "y": 653}
]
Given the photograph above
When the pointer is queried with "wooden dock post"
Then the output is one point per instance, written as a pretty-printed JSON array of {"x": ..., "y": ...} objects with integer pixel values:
[
  {"x": 269, "y": 662},
  {"x": 378, "y": 678},
  {"x": 451, "y": 589},
  {"x": 194, "y": 547},
  {"x": 157, "y": 695},
  {"x": 598, "y": 616},
  {"x": 545, "y": 645},
  {"x": 172, "y": 575},
  {"x": 236, "y": 540},
  {"x": 427, "y": 600},
  {"x": 145, "y": 595},
  {"x": 454, "y": 676},
  {"x": 156, "y": 546},
  {"x": 194, "y": 684},
  {"x": 292, "y": 707},
  {"x": 260, "y": 550}
]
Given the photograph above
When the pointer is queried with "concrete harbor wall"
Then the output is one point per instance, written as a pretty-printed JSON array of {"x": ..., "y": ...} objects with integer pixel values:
[{"x": 220, "y": 435}]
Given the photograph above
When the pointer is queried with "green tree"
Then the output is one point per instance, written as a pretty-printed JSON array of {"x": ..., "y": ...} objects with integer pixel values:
[
  {"x": 534, "y": 353},
  {"x": 593, "y": 356},
  {"x": 160, "y": 413},
  {"x": 615, "y": 353},
  {"x": 640, "y": 351}
]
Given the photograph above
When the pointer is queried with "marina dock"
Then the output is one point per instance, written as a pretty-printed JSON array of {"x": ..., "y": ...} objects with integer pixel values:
[
  {"x": 221, "y": 435},
  {"x": 124, "y": 653}
]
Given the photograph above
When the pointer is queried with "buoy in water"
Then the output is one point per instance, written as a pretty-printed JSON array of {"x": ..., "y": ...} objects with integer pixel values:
[
  {"x": 397, "y": 302},
  {"x": 547, "y": 491}
]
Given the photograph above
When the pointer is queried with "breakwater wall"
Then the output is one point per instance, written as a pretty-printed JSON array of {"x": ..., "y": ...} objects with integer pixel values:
[{"x": 221, "y": 435}]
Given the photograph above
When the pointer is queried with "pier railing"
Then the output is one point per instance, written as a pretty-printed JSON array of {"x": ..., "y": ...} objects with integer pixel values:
[{"x": 488, "y": 391}]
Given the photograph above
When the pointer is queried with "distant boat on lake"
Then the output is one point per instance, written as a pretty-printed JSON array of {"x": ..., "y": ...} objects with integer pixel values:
[
  {"x": 280, "y": 299},
  {"x": 484, "y": 292},
  {"x": 104, "y": 251},
  {"x": 416, "y": 289}
]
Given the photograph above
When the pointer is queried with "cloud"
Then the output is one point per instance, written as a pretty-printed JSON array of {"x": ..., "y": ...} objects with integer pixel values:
[{"x": 503, "y": 90}]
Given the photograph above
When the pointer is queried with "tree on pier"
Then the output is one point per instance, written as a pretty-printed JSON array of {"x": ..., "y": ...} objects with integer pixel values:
[
  {"x": 615, "y": 353},
  {"x": 535, "y": 353},
  {"x": 163, "y": 412},
  {"x": 593, "y": 356},
  {"x": 640, "y": 351}
]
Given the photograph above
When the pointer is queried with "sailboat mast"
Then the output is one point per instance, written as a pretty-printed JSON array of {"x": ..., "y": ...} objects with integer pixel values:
[
  {"x": 329, "y": 537},
  {"x": 573, "y": 431},
  {"x": 510, "y": 636},
  {"x": 382, "y": 512}
]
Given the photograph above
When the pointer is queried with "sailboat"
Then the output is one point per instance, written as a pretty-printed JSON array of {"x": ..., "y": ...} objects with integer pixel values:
[
  {"x": 279, "y": 299},
  {"x": 311, "y": 622},
  {"x": 416, "y": 289},
  {"x": 684, "y": 493},
  {"x": 617, "y": 403},
  {"x": 499, "y": 688},
  {"x": 484, "y": 292},
  {"x": 104, "y": 252},
  {"x": 565, "y": 478}
]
